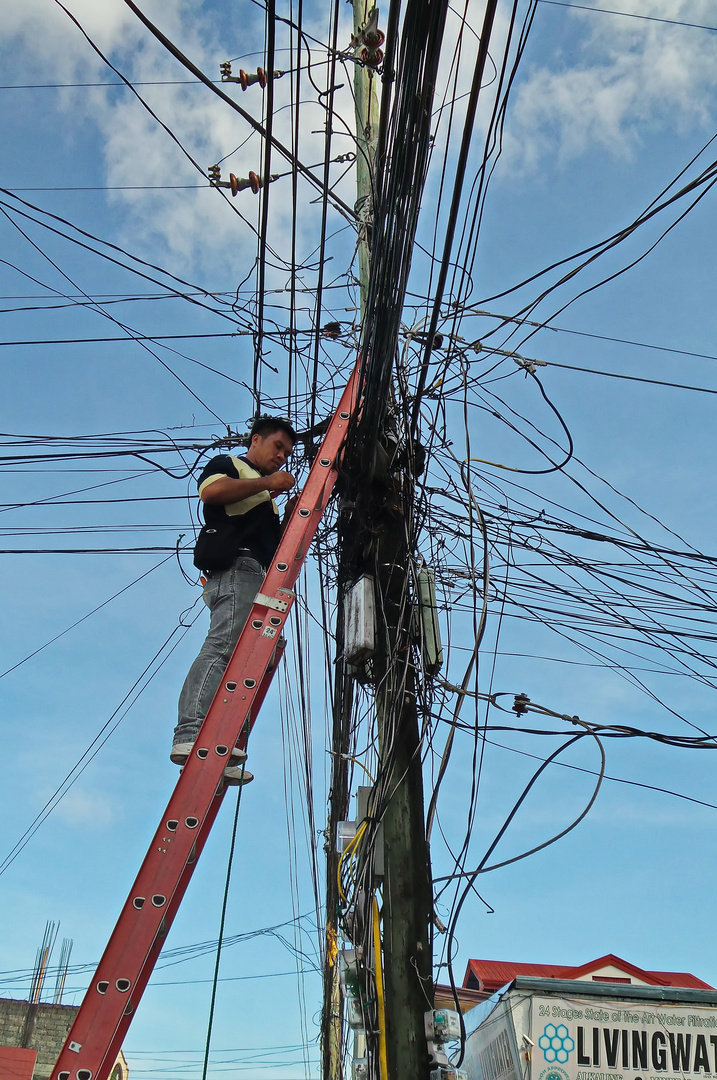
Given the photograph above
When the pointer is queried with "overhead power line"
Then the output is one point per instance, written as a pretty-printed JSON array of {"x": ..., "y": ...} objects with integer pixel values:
[
  {"x": 627, "y": 14},
  {"x": 191, "y": 295},
  {"x": 62, "y": 86},
  {"x": 259, "y": 128},
  {"x": 117, "y": 187},
  {"x": 125, "y": 338},
  {"x": 633, "y": 378}
]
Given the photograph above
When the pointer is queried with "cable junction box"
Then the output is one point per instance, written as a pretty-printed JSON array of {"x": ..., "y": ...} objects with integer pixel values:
[
  {"x": 447, "y": 1072},
  {"x": 360, "y": 622}
]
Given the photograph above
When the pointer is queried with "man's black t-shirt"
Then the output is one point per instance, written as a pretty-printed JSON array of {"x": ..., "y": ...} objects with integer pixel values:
[{"x": 255, "y": 519}]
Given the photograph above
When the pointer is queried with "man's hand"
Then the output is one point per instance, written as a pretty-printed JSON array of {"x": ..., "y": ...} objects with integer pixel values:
[
  {"x": 279, "y": 482},
  {"x": 228, "y": 490}
]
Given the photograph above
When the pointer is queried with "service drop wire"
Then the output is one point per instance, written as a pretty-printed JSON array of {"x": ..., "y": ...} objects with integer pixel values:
[
  {"x": 83, "y": 617},
  {"x": 107, "y": 729},
  {"x": 132, "y": 334},
  {"x": 483, "y": 869},
  {"x": 480, "y": 631},
  {"x": 461, "y": 166},
  {"x": 220, "y": 938},
  {"x": 554, "y": 466}
]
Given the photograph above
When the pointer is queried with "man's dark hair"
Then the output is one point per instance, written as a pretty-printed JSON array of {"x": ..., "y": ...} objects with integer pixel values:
[{"x": 267, "y": 425}]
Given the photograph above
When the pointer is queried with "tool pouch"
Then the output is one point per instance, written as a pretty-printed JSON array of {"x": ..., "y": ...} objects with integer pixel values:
[{"x": 216, "y": 547}]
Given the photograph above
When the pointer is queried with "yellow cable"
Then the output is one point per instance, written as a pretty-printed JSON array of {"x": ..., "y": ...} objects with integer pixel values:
[
  {"x": 382, "y": 1057},
  {"x": 349, "y": 850},
  {"x": 332, "y": 945},
  {"x": 347, "y": 757},
  {"x": 495, "y": 464}
]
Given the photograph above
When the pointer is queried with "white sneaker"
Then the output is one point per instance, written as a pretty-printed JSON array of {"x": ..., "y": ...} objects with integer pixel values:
[
  {"x": 234, "y": 775},
  {"x": 237, "y": 774},
  {"x": 181, "y": 751}
]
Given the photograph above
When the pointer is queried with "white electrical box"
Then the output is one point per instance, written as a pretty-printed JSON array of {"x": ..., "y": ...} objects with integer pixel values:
[
  {"x": 360, "y": 622},
  {"x": 442, "y": 1025},
  {"x": 363, "y": 795},
  {"x": 447, "y": 1072},
  {"x": 350, "y": 964},
  {"x": 345, "y": 833},
  {"x": 431, "y": 649},
  {"x": 359, "y": 1068},
  {"x": 354, "y": 1014}
]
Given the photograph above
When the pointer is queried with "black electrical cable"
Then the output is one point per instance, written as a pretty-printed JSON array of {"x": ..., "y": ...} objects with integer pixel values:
[
  {"x": 708, "y": 177},
  {"x": 628, "y": 15},
  {"x": 478, "y": 638},
  {"x": 98, "y": 307},
  {"x": 190, "y": 296},
  {"x": 264, "y": 220},
  {"x": 482, "y": 868},
  {"x": 156, "y": 338},
  {"x": 82, "y": 619},
  {"x": 462, "y": 264},
  {"x": 220, "y": 937},
  {"x": 107, "y": 729},
  {"x": 146, "y": 106}
]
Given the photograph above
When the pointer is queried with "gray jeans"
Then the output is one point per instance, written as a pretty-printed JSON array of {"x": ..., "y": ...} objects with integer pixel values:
[{"x": 229, "y": 595}]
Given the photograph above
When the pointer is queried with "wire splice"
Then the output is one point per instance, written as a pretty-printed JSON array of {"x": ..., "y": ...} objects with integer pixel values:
[{"x": 520, "y": 704}]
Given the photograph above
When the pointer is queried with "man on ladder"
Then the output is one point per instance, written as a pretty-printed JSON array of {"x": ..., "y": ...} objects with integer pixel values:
[
  {"x": 135, "y": 944},
  {"x": 237, "y": 543}
]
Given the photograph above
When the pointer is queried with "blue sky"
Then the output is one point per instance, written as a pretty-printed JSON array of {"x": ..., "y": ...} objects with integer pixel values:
[{"x": 607, "y": 110}]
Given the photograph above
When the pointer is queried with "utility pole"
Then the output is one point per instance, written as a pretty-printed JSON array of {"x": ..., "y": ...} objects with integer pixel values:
[
  {"x": 367, "y": 40},
  {"x": 332, "y": 1019},
  {"x": 366, "y": 138},
  {"x": 388, "y": 554},
  {"x": 407, "y": 896}
]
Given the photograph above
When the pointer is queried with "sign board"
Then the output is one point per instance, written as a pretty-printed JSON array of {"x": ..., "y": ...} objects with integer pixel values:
[
  {"x": 491, "y": 1052},
  {"x": 614, "y": 1040}
]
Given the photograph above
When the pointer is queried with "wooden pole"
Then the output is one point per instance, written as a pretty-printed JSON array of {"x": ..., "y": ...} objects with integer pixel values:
[
  {"x": 366, "y": 138},
  {"x": 407, "y": 898}
]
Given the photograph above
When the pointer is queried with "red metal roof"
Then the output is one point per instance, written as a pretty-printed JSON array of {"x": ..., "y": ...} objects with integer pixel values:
[
  {"x": 489, "y": 975},
  {"x": 17, "y": 1064}
]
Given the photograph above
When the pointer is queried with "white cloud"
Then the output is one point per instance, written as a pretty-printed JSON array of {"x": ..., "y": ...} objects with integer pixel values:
[
  {"x": 625, "y": 77},
  {"x": 630, "y": 77},
  {"x": 85, "y": 809},
  {"x": 176, "y": 228}
]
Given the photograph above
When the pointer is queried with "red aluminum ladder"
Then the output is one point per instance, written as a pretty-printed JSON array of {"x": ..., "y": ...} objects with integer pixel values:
[{"x": 107, "y": 1009}]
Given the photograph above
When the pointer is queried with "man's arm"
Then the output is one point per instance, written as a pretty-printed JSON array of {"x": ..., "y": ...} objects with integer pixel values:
[
  {"x": 288, "y": 510},
  {"x": 227, "y": 490}
]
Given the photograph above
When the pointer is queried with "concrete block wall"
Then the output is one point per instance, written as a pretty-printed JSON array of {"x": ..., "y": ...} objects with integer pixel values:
[{"x": 41, "y": 1027}]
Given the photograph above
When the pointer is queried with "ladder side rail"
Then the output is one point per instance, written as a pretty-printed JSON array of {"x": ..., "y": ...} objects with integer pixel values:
[
  {"x": 253, "y": 713},
  {"x": 130, "y": 955},
  {"x": 173, "y": 905},
  {"x": 116, "y": 982},
  {"x": 115, "y": 1045}
]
